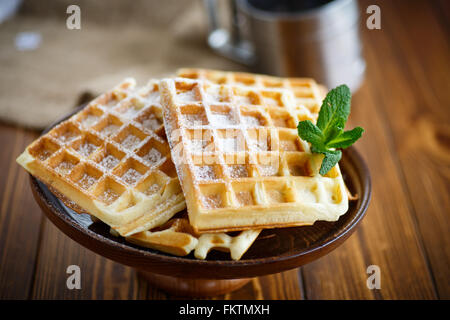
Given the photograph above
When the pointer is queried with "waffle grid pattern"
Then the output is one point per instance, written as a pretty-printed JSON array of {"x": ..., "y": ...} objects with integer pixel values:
[
  {"x": 307, "y": 93},
  {"x": 114, "y": 153},
  {"x": 177, "y": 237},
  {"x": 233, "y": 158}
]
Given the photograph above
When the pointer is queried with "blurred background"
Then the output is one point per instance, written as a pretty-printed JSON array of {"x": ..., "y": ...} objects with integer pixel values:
[
  {"x": 400, "y": 69},
  {"x": 45, "y": 67},
  {"x": 57, "y": 57}
]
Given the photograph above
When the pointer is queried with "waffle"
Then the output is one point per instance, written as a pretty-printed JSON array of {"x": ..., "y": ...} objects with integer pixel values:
[
  {"x": 177, "y": 237},
  {"x": 240, "y": 161},
  {"x": 236, "y": 245},
  {"x": 112, "y": 160},
  {"x": 308, "y": 95}
]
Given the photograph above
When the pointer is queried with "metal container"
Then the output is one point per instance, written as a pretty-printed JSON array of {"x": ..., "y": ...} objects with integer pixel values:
[{"x": 322, "y": 42}]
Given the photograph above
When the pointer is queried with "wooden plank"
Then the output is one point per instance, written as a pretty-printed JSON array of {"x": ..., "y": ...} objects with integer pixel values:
[
  {"x": 147, "y": 291},
  {"x": 100, "y": 277},
  {"x": 390, "y": 239},
  {"x": 338, "y": 275},
  {"x": 105, "y": 279},
  {"x": 20, "y": 218},
  {"x": 387, "y": 236},
  {"x": 281, "y": 286},
  {"x": 415, "y": 64},
  {"x": 442, "y": 10}
]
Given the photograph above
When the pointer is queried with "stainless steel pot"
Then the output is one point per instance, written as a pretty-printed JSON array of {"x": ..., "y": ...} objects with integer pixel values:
[{"x": 322, "y": 42}]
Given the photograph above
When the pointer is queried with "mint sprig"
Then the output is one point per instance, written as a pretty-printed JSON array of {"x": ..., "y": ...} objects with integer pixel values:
[{"x": 329, "y": 135}]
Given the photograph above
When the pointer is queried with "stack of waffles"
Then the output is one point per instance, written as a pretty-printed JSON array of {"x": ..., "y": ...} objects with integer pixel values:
[{"x": 223, "y": 145}]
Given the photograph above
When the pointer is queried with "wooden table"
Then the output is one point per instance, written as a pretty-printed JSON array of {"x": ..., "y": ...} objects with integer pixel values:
[{"x": 404, "y": 107}]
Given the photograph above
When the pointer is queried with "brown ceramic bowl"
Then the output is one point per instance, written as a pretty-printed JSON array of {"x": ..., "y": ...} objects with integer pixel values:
[{"x": 274, "y": 251}]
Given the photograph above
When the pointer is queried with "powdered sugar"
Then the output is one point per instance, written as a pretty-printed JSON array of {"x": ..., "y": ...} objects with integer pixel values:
[
  {"x": 153, "y": 156},
  {"x": 187, "y": 96},
  {"x": 212, "y": 201},
  {"x": 152, "y": 98},
  {"x": 243, "y": 100},
  {"x": 151, "y": 122},
  {"x": 108, "y": 196},
  {"x": 268, "y": 101},
  {"x": 197, "y": 146},
  {"x": 110, "y": 129},
  {"x": 44, "y": 154},
  {"x": 237, "y": 171},
  {"x": 86, "y": 181},
  {"x": 205, "y": 173},
  {"x": 228, "y": 144},
  {"x": 258, "y": 145},
  {"x": 251, "y": 121},
  {"x": 130, "y": 142},
  {"x": 86, "y": 149},
  {"x": 213, "y": 94},
  {"x": 194, "y": 120},
  {"x": 152, "y": 189},
  {"x": 245, "y": 198},
  {"x": 131, "y": 112},
  {"x": 67, "y": 137},
  {"x": 268, "y": 170},
  {"x": 90, "y": 120},
  {"x": 131, "y": 176},
  {"x": 109, "y": 161},
  {"x": 222, "y": 120},
  {"x": 65, "y": 167}
]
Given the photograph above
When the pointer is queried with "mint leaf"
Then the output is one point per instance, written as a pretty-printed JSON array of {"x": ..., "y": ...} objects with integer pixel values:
[
  {"x": 346, "y": 139},
  {"x": 329, "y": 132},
  {"x": 330, "y": 160},
  {"x": 308, "y": 131},
  {"x": 334, "y": 111}
]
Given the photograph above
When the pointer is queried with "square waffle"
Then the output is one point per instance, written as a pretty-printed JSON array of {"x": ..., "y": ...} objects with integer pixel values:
[
  {"x": 112, "y": 160},
  {"x": 240, "y": 161},
  {"x": 308, "y": 95},
  {"x": 177, "y": 237}
]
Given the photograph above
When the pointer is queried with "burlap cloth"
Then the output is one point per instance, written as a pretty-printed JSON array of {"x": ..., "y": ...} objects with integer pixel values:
[{"x": 118, "y": 38}]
